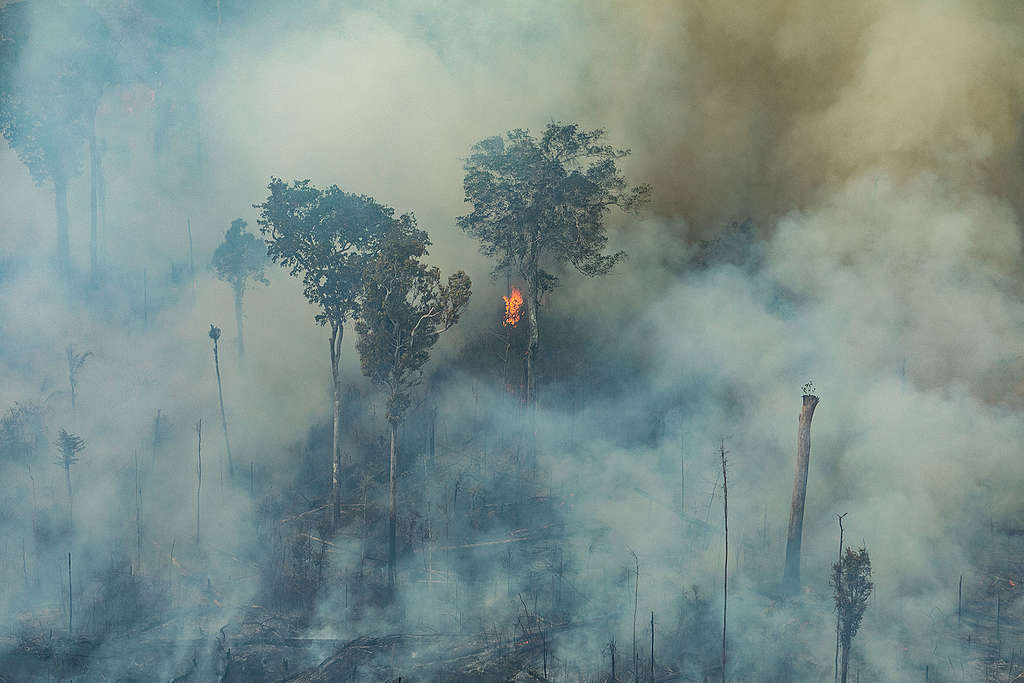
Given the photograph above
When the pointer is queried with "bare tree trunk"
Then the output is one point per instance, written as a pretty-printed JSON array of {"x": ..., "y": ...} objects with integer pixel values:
[
  {"x": 845, "y": 663},
  {"x": 840, "y": 518},
  {"x": 71, "y": 602},
  {"x": 337, "y": 334},
  {"x": 199, "y": 472},
  {"x": 94, "y": 162},
  {"x": 725, "y": 577},
  {"x": 392, "y": 513},
  {"x": 191, "y": 261},
  {"x": 791, "y": 575},
  {"x": 71, "y": 511},
  {"x": 223, "y": 415},
  {"x": 60, "y": 189},
  {"x": 238, "y": 321}
]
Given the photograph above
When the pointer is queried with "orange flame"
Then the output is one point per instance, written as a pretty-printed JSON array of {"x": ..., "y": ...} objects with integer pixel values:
[{"x": 513, "y": 306}]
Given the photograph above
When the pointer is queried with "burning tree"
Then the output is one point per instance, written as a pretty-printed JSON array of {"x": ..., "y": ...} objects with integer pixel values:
[
  {"x": 68, "y": 447},
  {"x": 539, "y": 204},
  {"x": 405, "y": 307},
  {"x": 851, "y": 587},
  {"x": 238, "y": 259},
  {"x": 324, "y": 236}
]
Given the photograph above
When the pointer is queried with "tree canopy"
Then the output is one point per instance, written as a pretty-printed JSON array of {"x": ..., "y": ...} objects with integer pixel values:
[
  {"x": 405, "y": 306},
  {"x": 323, "y": 237},
  {"x": 542, "y": 202},
  {"x": 240, "y": 257}
]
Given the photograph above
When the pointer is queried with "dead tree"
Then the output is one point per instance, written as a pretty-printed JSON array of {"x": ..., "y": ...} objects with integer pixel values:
[
  {"x": 725, "y": 572},
  {"x": 791, "y": 575},
  {"x": 840, "y": 518},
  {"x": 199, "y": 472},
  {"x": 215, "y": 336}
]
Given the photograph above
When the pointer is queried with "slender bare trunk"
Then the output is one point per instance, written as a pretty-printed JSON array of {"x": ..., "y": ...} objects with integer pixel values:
[
  {"x": 392, "y": 513},
  {"x": 60, "y": 189},
  {"x": 94, "y": 163},
  {"x": 223, "y": 415},
  {"x": 238, "y": 321},
  {"x": 71, "y": 509},
  {"x": 791, "y": 575},
  {"x": 840, "y": 518},
  {"x": 71, "y": 602},
  {"x": 199, "y": 472},
  {"x": 845, "y": 663},
  {"x": 337, "y": 334},
  {"x": 725, "y": 577}
]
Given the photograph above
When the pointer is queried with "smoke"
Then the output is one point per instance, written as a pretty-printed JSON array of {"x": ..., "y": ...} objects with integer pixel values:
[{"x": 875, "y": 148}]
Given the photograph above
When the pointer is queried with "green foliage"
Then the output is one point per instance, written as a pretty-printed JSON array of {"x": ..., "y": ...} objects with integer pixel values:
[
  {"x": 404, "y": 308},
  {"x": 538, "y": 201},
  {"x": 240, "y": 257},
  {"x": 22, "y": 433},
  {"x": 68, "y": 447},
  {"x": 851, "y": 588},
  {"x": 324, "y": 236}
]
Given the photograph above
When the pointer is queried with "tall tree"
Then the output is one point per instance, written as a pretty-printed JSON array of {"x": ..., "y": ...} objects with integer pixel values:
[
  {"x": 541, "y": 204},
  {"x": 240, "y": 258},
  {"x": 54, "y": 64},
  {"x": 68, "y": 447},
  {"x": 323, "y": 237},
  {"x": 851, "y": 587},
  {"x": 405, "y": 307}
]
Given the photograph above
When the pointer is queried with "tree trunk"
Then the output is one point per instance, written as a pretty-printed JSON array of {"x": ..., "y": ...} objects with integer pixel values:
[
  {"x": 60, "y": 189},
  {"x": 71, "y": 510},
  {"x": 791, "y": 575},
  {"x": 223, "y": 415},
  {"x": 392, "y": 513},
  {"x": 94, "y": 162},
  {"x": 844, "y": 663},
  {"x": 238, "y": 322},
  {"x": 337, "y": 334},
  {"x": 531, "y": 349}
]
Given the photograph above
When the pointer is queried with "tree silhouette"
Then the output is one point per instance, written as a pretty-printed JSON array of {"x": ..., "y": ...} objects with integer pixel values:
[
  {"x": 55, "y": 60},
  {"x": 540, "y": 204},
  {"x": 851, "y": 587},
  {"x": 240, "y": 258},
  {"x": 405, "y": 306},
  {"x": 22, "y": 437},
  {"x": 324, "y": 236},
  {"x": 68, "y": 447}
]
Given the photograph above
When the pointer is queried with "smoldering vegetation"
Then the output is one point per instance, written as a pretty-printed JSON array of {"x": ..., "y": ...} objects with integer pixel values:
[{"x": 835, "y": 197}]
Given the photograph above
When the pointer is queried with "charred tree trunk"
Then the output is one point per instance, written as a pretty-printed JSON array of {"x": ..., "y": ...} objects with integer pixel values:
[
  {"x": 60, "y": 190},
  {"x": 337, "y": 334},
  {"x": 223, "y": 415},
  {"x": 791, "y": 575},
  {"x": 392, "y": 513}
]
